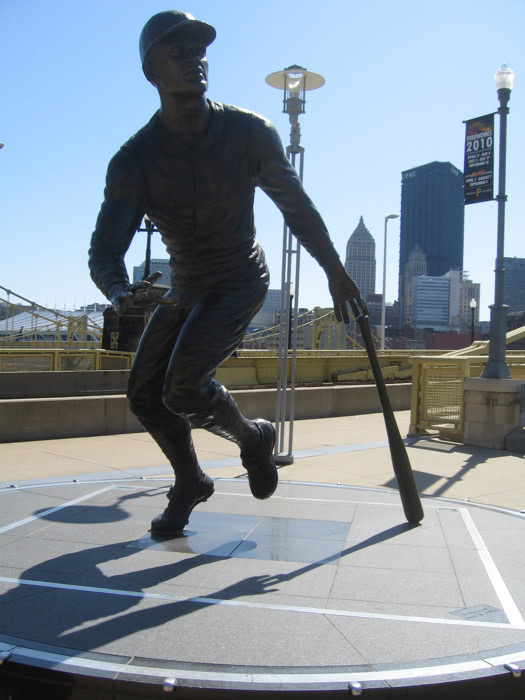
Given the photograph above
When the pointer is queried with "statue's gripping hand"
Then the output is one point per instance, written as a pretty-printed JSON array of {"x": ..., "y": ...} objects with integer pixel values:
[
  {"x": 121, "y": 301},
  {"x": 133, "y": 294},
  {"x": 343, "y": 289}
]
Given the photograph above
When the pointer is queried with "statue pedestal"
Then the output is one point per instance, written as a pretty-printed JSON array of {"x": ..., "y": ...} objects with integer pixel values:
[{"x": 492, "y": 410}]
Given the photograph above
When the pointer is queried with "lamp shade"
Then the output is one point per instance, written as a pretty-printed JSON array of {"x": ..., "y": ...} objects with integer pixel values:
[
  {"x": 504, "y": 77},
  {"x": 473, "y": 304},
  {"x": 295, "y": 79}
]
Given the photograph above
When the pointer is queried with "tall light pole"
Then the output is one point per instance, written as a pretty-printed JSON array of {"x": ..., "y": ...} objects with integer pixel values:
[
  {"x": 383, "y": 310},
  {"x": 149, "y": 227},
  {"x": 294, "y": 81},
  {"x": 496, "y": 367},
  {"x": 290, "y": 319},
  {"x": 473, "y": 304}
]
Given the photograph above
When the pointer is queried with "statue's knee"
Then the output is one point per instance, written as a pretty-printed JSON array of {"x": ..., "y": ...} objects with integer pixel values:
[
  {"x": 172, "y": 401},
  {"x": 145, "y": 404},
  {"x": 184, "y": 401}
]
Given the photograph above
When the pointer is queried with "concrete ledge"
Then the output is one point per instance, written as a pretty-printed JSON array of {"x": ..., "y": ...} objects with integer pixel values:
[
  {"x": 30, "y": 385},
  {"x": 65, "y": 417},
  {"x": 500, "y": 386},
  {"x": 54, "y": 418}
]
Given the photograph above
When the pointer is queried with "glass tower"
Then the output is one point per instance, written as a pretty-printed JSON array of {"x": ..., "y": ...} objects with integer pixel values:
[
  {"x": 514, "y": 285},
  {"x": 432, "y": 217}
]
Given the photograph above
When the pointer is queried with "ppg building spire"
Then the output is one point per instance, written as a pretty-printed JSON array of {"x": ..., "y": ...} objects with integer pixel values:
[{"x": 360, "y": 261}]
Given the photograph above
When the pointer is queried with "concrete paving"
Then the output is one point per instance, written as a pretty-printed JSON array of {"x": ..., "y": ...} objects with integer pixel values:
[
  {"x": 322, "y": 587},
  {"x": 349, "y": 450}
]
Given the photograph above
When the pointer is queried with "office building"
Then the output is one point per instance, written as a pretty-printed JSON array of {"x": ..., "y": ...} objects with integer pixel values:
[
  {"x": 514, "y": 289},
  {"x": 454, "y": 281},
  {"x": 268, "y": 313},
  {"x": 443, "y": 303},
  {"x": 156, "y": 265},
  {"x": 431, "y": 303},
  {"x": 360, "y": 262},
  {"x": 432, "y": 217},
  {"x": 416, "y": 266},
  {"x": 468, "y": 290}
]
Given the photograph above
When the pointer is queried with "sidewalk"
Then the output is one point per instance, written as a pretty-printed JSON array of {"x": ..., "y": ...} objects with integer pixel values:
[{"x": 349, "y": 450}]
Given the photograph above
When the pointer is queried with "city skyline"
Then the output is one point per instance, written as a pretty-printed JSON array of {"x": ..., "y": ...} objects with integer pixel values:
[{"x": 68, "y": 112}]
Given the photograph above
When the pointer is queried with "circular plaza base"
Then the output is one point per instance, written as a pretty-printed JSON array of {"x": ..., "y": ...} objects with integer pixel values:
[{"x": 321, "y": 590}]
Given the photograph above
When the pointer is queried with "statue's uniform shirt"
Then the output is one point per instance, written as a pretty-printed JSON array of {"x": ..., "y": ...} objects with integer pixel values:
[{"x": 200, "y": 196}]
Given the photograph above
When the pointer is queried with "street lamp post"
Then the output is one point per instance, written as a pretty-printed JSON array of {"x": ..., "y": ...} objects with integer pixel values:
[
  {"x": 149, "y": 227},
  {"x": 383, "y": 310},
  {"x": 295, "y": 81},
  {"x": 496, "y": 367},
  {"x": 473, "y": 304},
  {"x": 290, "y": 317}
]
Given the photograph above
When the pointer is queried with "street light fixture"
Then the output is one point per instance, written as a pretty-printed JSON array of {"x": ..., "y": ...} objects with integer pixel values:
[
  {"x": 383, "y": 310},
  {"x": 496, "y": 367},
  {"x": 294, "y": 81},
  {"x": 473, "y": 304}
]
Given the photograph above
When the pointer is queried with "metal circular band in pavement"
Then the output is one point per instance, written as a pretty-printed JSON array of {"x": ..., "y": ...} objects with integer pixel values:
[{"x": 321, "y": 589}]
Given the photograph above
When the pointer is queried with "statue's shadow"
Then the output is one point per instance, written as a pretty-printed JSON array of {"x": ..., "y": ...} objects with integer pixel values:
[
  {"x": 97, "y": 513},
  {"x": 98, "y": 608}
]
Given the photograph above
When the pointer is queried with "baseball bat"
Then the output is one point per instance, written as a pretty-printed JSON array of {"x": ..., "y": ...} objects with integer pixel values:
[{"x": 402, "y": 469}]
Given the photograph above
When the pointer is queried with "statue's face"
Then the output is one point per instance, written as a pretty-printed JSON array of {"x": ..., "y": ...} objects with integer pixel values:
[{"x": 179, "y": 66}]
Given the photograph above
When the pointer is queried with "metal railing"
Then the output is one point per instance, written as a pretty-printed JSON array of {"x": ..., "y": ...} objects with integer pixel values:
[
  {"x": 31, "y": 324},
  {"x": 259, "y": 367},
  {"x": 59, "y": 360},
  {"x": 247, "y": 368},
  {"x": 437, "y": 403}
]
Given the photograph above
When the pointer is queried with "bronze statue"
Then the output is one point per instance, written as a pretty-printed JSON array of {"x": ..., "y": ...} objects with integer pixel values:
[{"x": 193, "y": 170}]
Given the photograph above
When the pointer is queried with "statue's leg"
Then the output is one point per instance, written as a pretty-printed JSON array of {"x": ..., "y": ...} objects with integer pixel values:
[
  {"x": 171, "y": 432},
  {"x": 212, "y": 331}
]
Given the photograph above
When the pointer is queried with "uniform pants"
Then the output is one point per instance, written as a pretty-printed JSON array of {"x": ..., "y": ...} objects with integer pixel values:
[{"x": 172, "y": 387}]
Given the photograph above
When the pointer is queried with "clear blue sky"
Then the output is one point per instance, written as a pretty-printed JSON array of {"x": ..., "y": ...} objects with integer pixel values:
[{"x": 400, "y": 79}]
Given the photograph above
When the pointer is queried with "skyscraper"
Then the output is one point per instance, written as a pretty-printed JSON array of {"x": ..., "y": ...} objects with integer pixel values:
[
  {"x": 415, "y": 266},
  {"x": 431, "y": 302},
  {"x": 514, "y": 289},
  {"x": 360, "y": 262},
  {"x": 432, "y": 217},
  {"x": 156, "y": 265},
  {"x": 468, "y": 290},
  {"x": 265, "y": 317}
]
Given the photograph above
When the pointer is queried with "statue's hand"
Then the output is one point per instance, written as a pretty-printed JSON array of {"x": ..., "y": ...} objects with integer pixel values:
[
  {"x": 133, "y": 294},
  {"x": 121, "y": 301},
  {"x": 342, "y": 289}
]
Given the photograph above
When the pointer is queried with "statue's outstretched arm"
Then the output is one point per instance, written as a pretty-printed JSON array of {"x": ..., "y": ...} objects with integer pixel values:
[{"x": 120, "y": 215}]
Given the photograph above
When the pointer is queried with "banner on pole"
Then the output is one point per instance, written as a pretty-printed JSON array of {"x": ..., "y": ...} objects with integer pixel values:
[{"x": 479, "y": 159}]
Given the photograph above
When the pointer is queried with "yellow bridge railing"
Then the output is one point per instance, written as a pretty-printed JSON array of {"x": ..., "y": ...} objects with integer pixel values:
[
  {"x": 438, "y": 386},
  {"x": 55, "y": 359},
  {"x": 246, "y": 368}
]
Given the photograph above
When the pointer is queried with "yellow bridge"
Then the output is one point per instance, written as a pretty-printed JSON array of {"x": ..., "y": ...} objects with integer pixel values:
[{"x": 437, "y": 377}]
